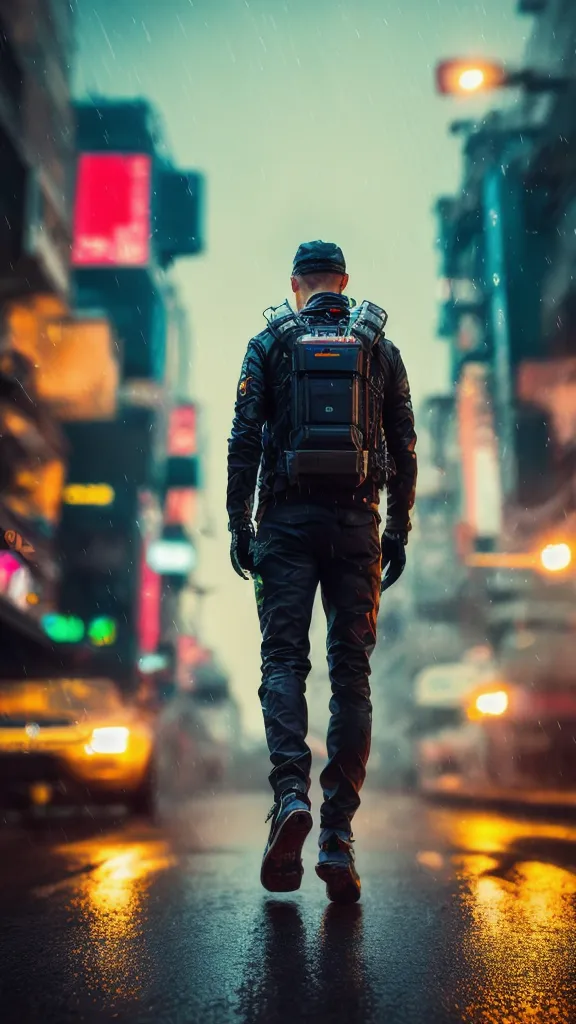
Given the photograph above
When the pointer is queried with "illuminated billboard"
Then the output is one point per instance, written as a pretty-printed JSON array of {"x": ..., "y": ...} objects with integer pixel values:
[
  {"x": 171, "y": 556},
  {"x": 112, "y": 215},
  {"x": 180, "y": 506},
  {"x": 182, "y": 431},
  {"x": 482, "y": 498}
]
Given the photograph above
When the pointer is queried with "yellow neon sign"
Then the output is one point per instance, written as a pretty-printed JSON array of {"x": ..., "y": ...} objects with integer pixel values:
[{"x": 88, "y": 494}]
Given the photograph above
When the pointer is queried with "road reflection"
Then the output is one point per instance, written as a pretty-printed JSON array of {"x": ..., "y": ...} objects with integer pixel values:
[
  {"x": 340, "y": 953},
  {"x": 468, "y": 917},
  {"x": 517, "y": 887},
  {"x": 111, "y": 900},
  {"x": 296, "y": 962}
]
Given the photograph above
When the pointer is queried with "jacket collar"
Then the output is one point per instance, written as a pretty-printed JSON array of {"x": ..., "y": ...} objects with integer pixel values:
[{"x": 326, "y": 306}]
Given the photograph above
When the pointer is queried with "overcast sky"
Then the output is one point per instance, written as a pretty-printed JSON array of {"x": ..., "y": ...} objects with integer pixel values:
[{"x": 310, "y": 119}]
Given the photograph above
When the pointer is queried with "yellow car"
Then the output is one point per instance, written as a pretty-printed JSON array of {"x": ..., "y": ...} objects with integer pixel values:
[{"x": 73, "y": 741}]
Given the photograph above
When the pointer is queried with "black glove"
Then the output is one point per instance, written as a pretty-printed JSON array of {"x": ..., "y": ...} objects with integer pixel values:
[
  {"x": 241, "y": 549},
  {"x": 393, "y": 557}
]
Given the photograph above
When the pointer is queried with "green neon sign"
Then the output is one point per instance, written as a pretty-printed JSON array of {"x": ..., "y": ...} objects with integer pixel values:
[
  {"x": 63, "y": 629},
  {"x": 102, "y": 632}
]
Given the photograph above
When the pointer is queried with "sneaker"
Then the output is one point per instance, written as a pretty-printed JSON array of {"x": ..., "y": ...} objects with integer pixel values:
[
  {"x": 336, "y": 866},
  {"x": 282, "y": 868}
]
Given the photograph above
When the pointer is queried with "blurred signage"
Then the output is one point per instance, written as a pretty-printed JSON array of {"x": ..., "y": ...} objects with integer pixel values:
[
  {"x": 180, "y": 506},
  {"x": 146, "y": 393},
  {"x": 188, "y": 652},
  {"x": 149, "y": 611},
  {"x": 102, "y": 631},
  {"x": 182, "y": 431},
  {"x": 479, "y": 453},
  {"x": 63, "y": 629},
  {"x": 88, "y": 494},
  {"x": 171, "y": 557},
  {"x": 73, "y": 360},
  {"x": 150, "y": 663},
  {"x": 37, "y": 494},
  {"x": 78, "y": 370},
  {"x": 446, "y": 685},
  {"x": 471, "y": 334},
  {"x": 16, "y": 582},
  {"x": 538, "y": 705},
  {"x": 112, "y": 217},
  {"x": 551, "y": 385}
]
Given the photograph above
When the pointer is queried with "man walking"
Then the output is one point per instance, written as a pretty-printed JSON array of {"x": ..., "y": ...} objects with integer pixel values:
[{"x": 323, "y": 421}]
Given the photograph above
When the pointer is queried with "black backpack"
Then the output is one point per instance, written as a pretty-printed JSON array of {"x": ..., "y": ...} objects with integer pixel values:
[{"x": 335, "y": 409}]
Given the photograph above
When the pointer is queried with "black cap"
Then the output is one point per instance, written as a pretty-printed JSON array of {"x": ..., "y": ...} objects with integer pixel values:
[{"x": 319, "y": 257}]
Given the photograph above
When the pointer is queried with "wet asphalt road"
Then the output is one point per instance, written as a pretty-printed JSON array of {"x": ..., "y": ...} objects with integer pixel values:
[{"x": 467, "y": 916}]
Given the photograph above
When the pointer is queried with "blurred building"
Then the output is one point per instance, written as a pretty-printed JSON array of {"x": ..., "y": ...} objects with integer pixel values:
[
  {"x": 502, "y": 441},
  {"x": 36, "y": 160},
  {"x": 127, "y": 531},
  {"x": 99, "y": 454}
]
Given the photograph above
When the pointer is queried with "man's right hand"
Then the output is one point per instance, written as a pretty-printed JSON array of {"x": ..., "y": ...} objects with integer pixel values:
[
  {"x": 241, "y": 549},
  {"x": 393, "y": 557}
]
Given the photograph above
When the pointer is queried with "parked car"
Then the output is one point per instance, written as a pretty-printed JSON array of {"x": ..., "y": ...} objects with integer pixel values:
[
  {"x": 73, "y": 741},
  {"x": 497, "y": 739}
]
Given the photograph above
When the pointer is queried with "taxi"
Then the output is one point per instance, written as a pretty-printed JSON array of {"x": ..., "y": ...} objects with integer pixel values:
[{"x": 75, "y": 742}]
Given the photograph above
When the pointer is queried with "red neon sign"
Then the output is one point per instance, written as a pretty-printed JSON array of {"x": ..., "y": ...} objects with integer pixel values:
[
  {"x": 112, "y": 216},
  {"x": 180, "y": 506},
  {"x": 182, "y": 431},
  {"x": 149, "y": 612}
]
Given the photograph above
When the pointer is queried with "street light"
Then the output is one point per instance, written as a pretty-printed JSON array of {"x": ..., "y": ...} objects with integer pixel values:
[
  {"x": 466, "y": 76},
  {"x": 556, "y": 557},
  {"x": 461, "y": 77},
  {"x": 553, "y": 557},
  {"x": 472, "y": 79}
]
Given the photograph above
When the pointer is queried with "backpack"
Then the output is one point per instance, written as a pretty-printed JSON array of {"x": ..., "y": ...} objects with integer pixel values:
[{"x": 335, "y": 415}]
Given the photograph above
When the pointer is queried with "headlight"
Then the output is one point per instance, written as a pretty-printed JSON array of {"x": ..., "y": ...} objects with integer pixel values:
[
  {"x": 556, "y": 557},
  {"x": 492, "y": 703},
  {"x": 110, "y": 740}
]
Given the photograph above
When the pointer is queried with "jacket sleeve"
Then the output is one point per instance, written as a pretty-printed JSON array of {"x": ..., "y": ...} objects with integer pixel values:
[
  {"x": 400, "y": 436},
  {"x": 245, "y": 442}
]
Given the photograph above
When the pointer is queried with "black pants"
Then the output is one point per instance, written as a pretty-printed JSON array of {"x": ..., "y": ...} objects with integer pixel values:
[{"x": 297, "y": 548}]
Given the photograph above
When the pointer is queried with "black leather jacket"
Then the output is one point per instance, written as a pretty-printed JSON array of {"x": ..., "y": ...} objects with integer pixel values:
[{"x": 260, "y": 424}]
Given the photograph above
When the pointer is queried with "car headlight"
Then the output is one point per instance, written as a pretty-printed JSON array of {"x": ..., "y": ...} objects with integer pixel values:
[
  {"x": 108, "y": 740},
  {"x": 492, "y": 703}
]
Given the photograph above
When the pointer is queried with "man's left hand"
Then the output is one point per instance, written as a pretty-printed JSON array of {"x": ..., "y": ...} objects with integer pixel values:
[
  {"x": 393, "y": 557},
  {"x": 241, "y": 549}
]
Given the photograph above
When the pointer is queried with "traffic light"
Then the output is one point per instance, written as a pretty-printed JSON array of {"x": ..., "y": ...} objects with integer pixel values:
[{"x": 465, "y": 77}]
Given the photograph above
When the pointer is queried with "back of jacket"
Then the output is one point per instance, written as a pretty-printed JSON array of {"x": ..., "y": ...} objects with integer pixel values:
[{"x": 261, "y": 427}]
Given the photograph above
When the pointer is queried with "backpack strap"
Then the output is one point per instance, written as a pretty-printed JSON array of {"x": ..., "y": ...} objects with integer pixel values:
[
  {"x": 367, "y": 323},
  {"x": 285, "y": 324}
]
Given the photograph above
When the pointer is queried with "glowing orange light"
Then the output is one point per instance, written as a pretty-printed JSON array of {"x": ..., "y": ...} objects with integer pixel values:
[
  {"x": 556, "y": 557},
  {"x": 454, "y": 77},
  {"x": 471, "y": 79},
  {"x": 495, "y": 703}
]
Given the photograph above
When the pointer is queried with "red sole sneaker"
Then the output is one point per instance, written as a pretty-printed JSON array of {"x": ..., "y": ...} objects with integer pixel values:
[
  {"x": 282, "y": 865},
  {"x": 342, "y": 884}
]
